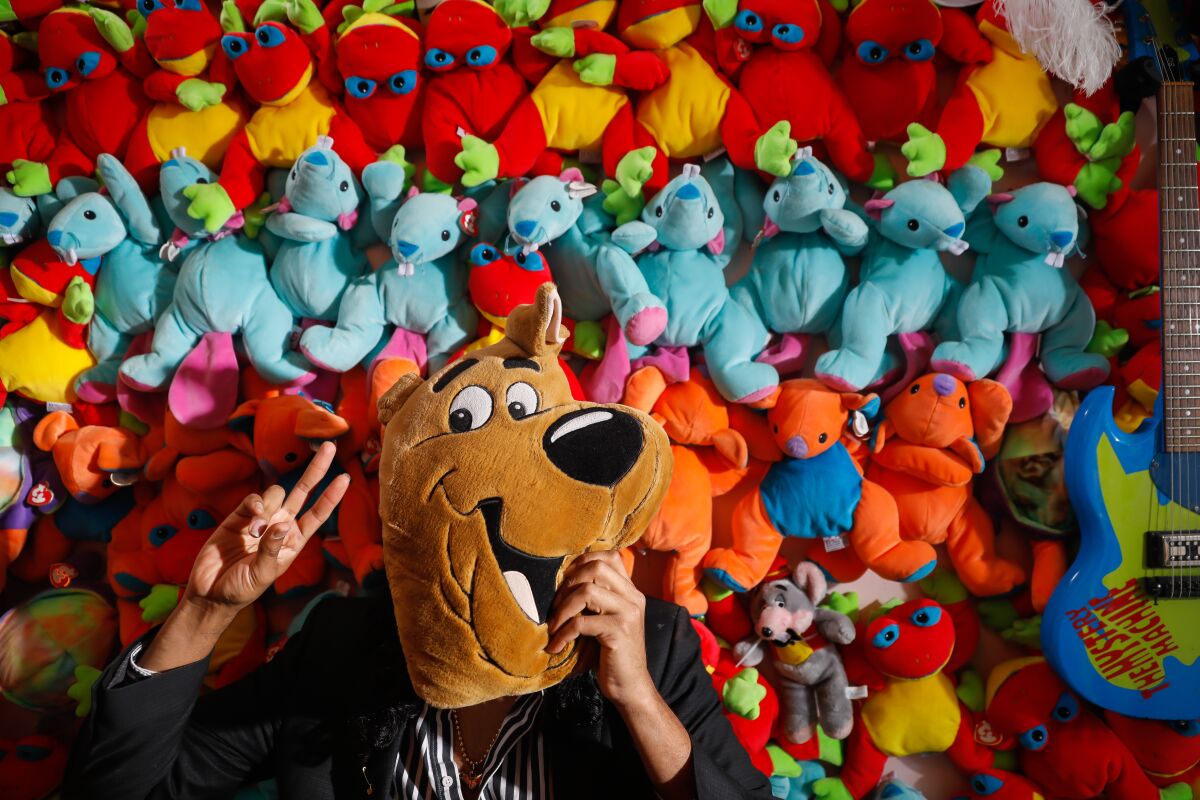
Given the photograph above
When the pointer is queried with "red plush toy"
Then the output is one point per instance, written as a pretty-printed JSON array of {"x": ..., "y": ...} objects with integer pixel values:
[
  {"x": 1168, "y": 750},
  {"x": 28, "y": 122},
  {"x": 1033, "y": 709},
  {"x": 996, "y": 784},
  {"x": 275, "y": 67},
  {"x": 888, "y": 71},
  {"x": 31, "y": 767},
  {"x": 475, "y": 114},
  {"x": 101, "y": 87}
]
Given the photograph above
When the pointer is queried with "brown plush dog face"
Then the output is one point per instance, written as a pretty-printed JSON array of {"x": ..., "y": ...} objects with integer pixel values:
[{"x": 492, "y": 480}]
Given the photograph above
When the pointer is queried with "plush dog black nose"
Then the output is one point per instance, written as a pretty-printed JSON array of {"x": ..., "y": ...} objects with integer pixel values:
[{"x": 594, "y": 445}]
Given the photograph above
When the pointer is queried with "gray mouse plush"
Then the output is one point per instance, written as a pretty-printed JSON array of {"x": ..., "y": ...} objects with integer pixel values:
[{"x": 813, "y": 684}]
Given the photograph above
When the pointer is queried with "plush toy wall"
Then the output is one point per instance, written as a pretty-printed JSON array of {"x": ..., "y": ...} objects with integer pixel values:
[{"x": 860, "y": 260}]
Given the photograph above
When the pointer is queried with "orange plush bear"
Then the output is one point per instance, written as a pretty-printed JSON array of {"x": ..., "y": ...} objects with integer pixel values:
[
  {"x": 281, "y": 432},
  {"x": 709, "y": 458},
  {"x": 93, "y": 461},
  {"x": 934, "y": 440},
  {"x": 816, "y": 490}
]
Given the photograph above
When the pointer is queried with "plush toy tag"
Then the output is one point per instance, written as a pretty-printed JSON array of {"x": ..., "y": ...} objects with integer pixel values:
[
  {"x": 986, "y": 735},
  {"x": 63, "y": 407},
  {"x": 859, "y": 426},
  {"x": 469, "y": 222},
  {"x": 40, "y": 495},
  {"x": 856, "y": 693},
  {"x": 833, "y": 543},
  {"x": 1016, "y": 153},
  {"x": 62, "y": 574}
]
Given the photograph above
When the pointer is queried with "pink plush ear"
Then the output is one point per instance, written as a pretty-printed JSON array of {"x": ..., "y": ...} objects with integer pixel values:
[
  {"x": 1071, "y": 190},
  {"x": 999, "y": 199},
  {"x": 716, "y": 245},
  {"x": 204, "y": 390},
  {"x": 412, "y": 192},
  {"x": 875, "y": 207},
  {"x": 467, "y": 204},
  {"x": 808, "y": 576},
  {"x": 570, "y": 175}
]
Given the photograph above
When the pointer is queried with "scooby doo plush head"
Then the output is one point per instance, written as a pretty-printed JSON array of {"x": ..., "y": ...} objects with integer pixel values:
[{"x": 493, "y": 479}]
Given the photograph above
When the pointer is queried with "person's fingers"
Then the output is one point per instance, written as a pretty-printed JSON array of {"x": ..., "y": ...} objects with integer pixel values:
[
  {"x": 315, "y": 517},
  {"x": 599, "y": 627},
  {"x": 586, "y": 597},
  {"x": 272, "y": 499},
  {"x": 247, "y": 519},
  {"x": 268, "y": 563},
  {"x": 605, "y": 568},
  {"x": 311, "y": 478},
  {"x": 250, "y": 507}
]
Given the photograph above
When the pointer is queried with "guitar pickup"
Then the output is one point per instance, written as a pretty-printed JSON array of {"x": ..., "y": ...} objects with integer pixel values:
[{"x": 1165, "y": 550}]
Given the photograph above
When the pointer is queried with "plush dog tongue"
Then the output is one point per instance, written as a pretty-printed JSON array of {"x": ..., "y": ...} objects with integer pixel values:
[{"x": 522, "y": 592}]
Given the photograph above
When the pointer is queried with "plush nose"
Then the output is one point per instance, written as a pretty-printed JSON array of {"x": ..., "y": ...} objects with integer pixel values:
[
  {"x": 405, "y": 248},
  {"x": 55, "y": 238},
  {"x": 796, "y": 447},
  {"x": 943, "y": 385},
  {"x": 594, "y": 445},
  {"x": 525, "y": 227},
  {"x": 1061, "y": 238},
  {"x": 688, "y": 192},
  {"x": 955, "y": 230},
  {"x": 318, "y": 158},
  {"x": 8, "y": 218}
]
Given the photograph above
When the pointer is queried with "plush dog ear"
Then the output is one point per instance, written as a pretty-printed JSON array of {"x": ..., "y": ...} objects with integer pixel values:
[
  {"x": 128, "y": 199},
  {"x": 732, "y": 447},
  {"x": 809, "y": 577},
  {"x": 53, "y": 427},
  {"x": 991, "y": 405},
  {"x": 537, "y": 328},
  {"x": 318, "y": 423},
  {"x": 397, "y": 396}
]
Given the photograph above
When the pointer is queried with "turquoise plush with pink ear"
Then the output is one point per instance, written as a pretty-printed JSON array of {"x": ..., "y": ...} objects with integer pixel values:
[
  {"x": 681, "y": 239},
  {"x": 316, "y": 259},
  {"x": 1019, "y": 286}
]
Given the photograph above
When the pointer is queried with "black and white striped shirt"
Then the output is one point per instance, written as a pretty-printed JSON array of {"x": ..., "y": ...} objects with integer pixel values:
[{"x": 515, "y": 768}]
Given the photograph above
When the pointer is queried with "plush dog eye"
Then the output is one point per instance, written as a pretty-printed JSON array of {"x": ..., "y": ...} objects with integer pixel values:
[
  {"x": 1067, "y": 707},
  {"x": 403, "y": 82},
  {"x": 916, "y": 387},
  {"x": 748, "y": 22},
  {"x": 470, "y": 410},
  {"x": 872, "y": 52},
  {"x": 1034, "y": 738},
  {"x": 87, "y": 62},
  {"x": 824, "y": 437},
  {"x": 920, "y": 50},
  {"x": 522, "y": 400},
  {"x": 362, "y": 88},
  {"x": 913, "y": 225},
  {"x": 926, "y": 617},
  {"x": 89, "y": 214},
  {"x": 481, "y": 56},
  {"x": 555, "y": 205},
  {"x": 1022, "y": 221},
  {"x": 438, "y": 59},
  {"x": 962, "y": 402},
  {"x": 886, "y": 637}
]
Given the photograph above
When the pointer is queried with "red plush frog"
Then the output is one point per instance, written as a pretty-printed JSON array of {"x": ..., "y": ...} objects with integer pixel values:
[
  {"x": 193, "y": 88},
  {"x": 275, "y": 66}
]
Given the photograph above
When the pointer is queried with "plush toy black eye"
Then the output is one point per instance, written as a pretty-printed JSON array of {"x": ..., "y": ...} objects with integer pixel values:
[
  {"x": 823, "y": 438},
  {"x": 201, "y": 180},
  {"x": 781, "y": 604},
  {"x": 775, "y": 428},
  {"x": 445, "y": 236},
  {"x": 830, "y": 189},
  {"x": 913, "y": 225},
  {"x": 471, "y": 408},
  {"x": 711, "y": 211},
  {"x": 344, "y": 186},
  {"x": 658, "y": 212},
  {"x": 962, "y": 402},
  {"x": 555, "y": 205},
  {"x": 522, "y": 400},
  {"x": 776, "y": 196},
  {"x": 289, "y": 457},
  {"x": 916, "y": 387},
  {"x": 1022, "y": 222},
  {"x": 89, "y": 214}
]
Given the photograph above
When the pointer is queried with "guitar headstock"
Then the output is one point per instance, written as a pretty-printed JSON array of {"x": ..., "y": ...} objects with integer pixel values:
[{"x": 1160, "y": 45}]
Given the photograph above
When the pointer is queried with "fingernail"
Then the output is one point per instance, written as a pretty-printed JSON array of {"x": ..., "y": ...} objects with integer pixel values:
[
  {"x": 257, "y": 506},
  {"x": 257, "y": 528},
  {"x": 281, "y": 532}
]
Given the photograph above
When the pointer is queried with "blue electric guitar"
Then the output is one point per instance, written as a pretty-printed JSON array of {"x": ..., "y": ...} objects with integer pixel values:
[{"x": 1123, "y": 627}]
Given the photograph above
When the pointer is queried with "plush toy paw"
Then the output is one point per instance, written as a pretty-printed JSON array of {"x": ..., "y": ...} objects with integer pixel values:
[
  {"x": 1107, "y": 340},
  {"x": 231, "y": 18},
  {"x": 944, "y": 587},
  {"x": 479, "y": 161},
  {"x": 634, "y": 169},
  {"x": 1027, "y": 632},
  {"x": 589, "y": 339},
  {"x": 831, "y": 789},
  {"x": 646, "y": 325},
  {"x": 721, "y": 12},
  {"x": 742, "y": 694},
  {"x": 774, "y": 150},
  {"x": 597, "y": 69},
  {"x": 304, "y": 14},
  {"x": 1096, "y": 180},
  {"x": 210, "y": 203},
  {"x": 159, "y": 604},
  {"x": 3, "y": 97},
  {"x": 1176, "y": 791},
  {"x": 519, "y": 13},
  {"x": 846, "y": 603},
  {"x": 782, "y": 764},
  {"x": 81, "y": 689},
  {"x": 997, "y": 613},
  {"x": 883, "y": 177},
  {"x": 6, "y": 11},
  {"x": 29, "y": 178},
  {"x": 989, "y": 162},
  {"x": 1082, "y": 127},
  {"x": 254, "y": 216},
  {"x": 196, "y": 95},
  {"x": 137, "y": 23},
  {"x": 1116, "y": 139},
  {"x": 78, "y": 303},
  {"x": 112, "y": 28},
  {"x": 558, "y": 42},
  {"x": 844, "y": 226},
  {"x": 970, "y": 690},
  {"x": 925, "y": 151}
]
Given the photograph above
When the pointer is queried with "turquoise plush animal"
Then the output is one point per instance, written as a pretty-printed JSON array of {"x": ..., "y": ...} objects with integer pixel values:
[
  {"x": 682, "y": 231},
  {"x": 903, "y": 287},
  {"x": 22, "y": 218},
  {"x": 316, "y": 259},
  {"x": 423, "y": 288},
  {"x": 222, "y": 287},
  {"x": 133, "y": 285},
  {"x": 593, "y": 277},
  {"x": 1019, "y": 286},
  {"x": 797, "y": 279}
]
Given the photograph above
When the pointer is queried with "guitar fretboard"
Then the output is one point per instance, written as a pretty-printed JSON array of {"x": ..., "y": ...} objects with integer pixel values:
[{"x": 1179, "y": 220}]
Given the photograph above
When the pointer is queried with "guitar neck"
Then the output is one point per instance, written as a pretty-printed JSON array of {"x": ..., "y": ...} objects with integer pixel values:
[{"x": 1179, "y": 226}]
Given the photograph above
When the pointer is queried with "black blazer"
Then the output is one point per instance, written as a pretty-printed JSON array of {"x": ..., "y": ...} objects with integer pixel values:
[{"x": 299, "y": 719}]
